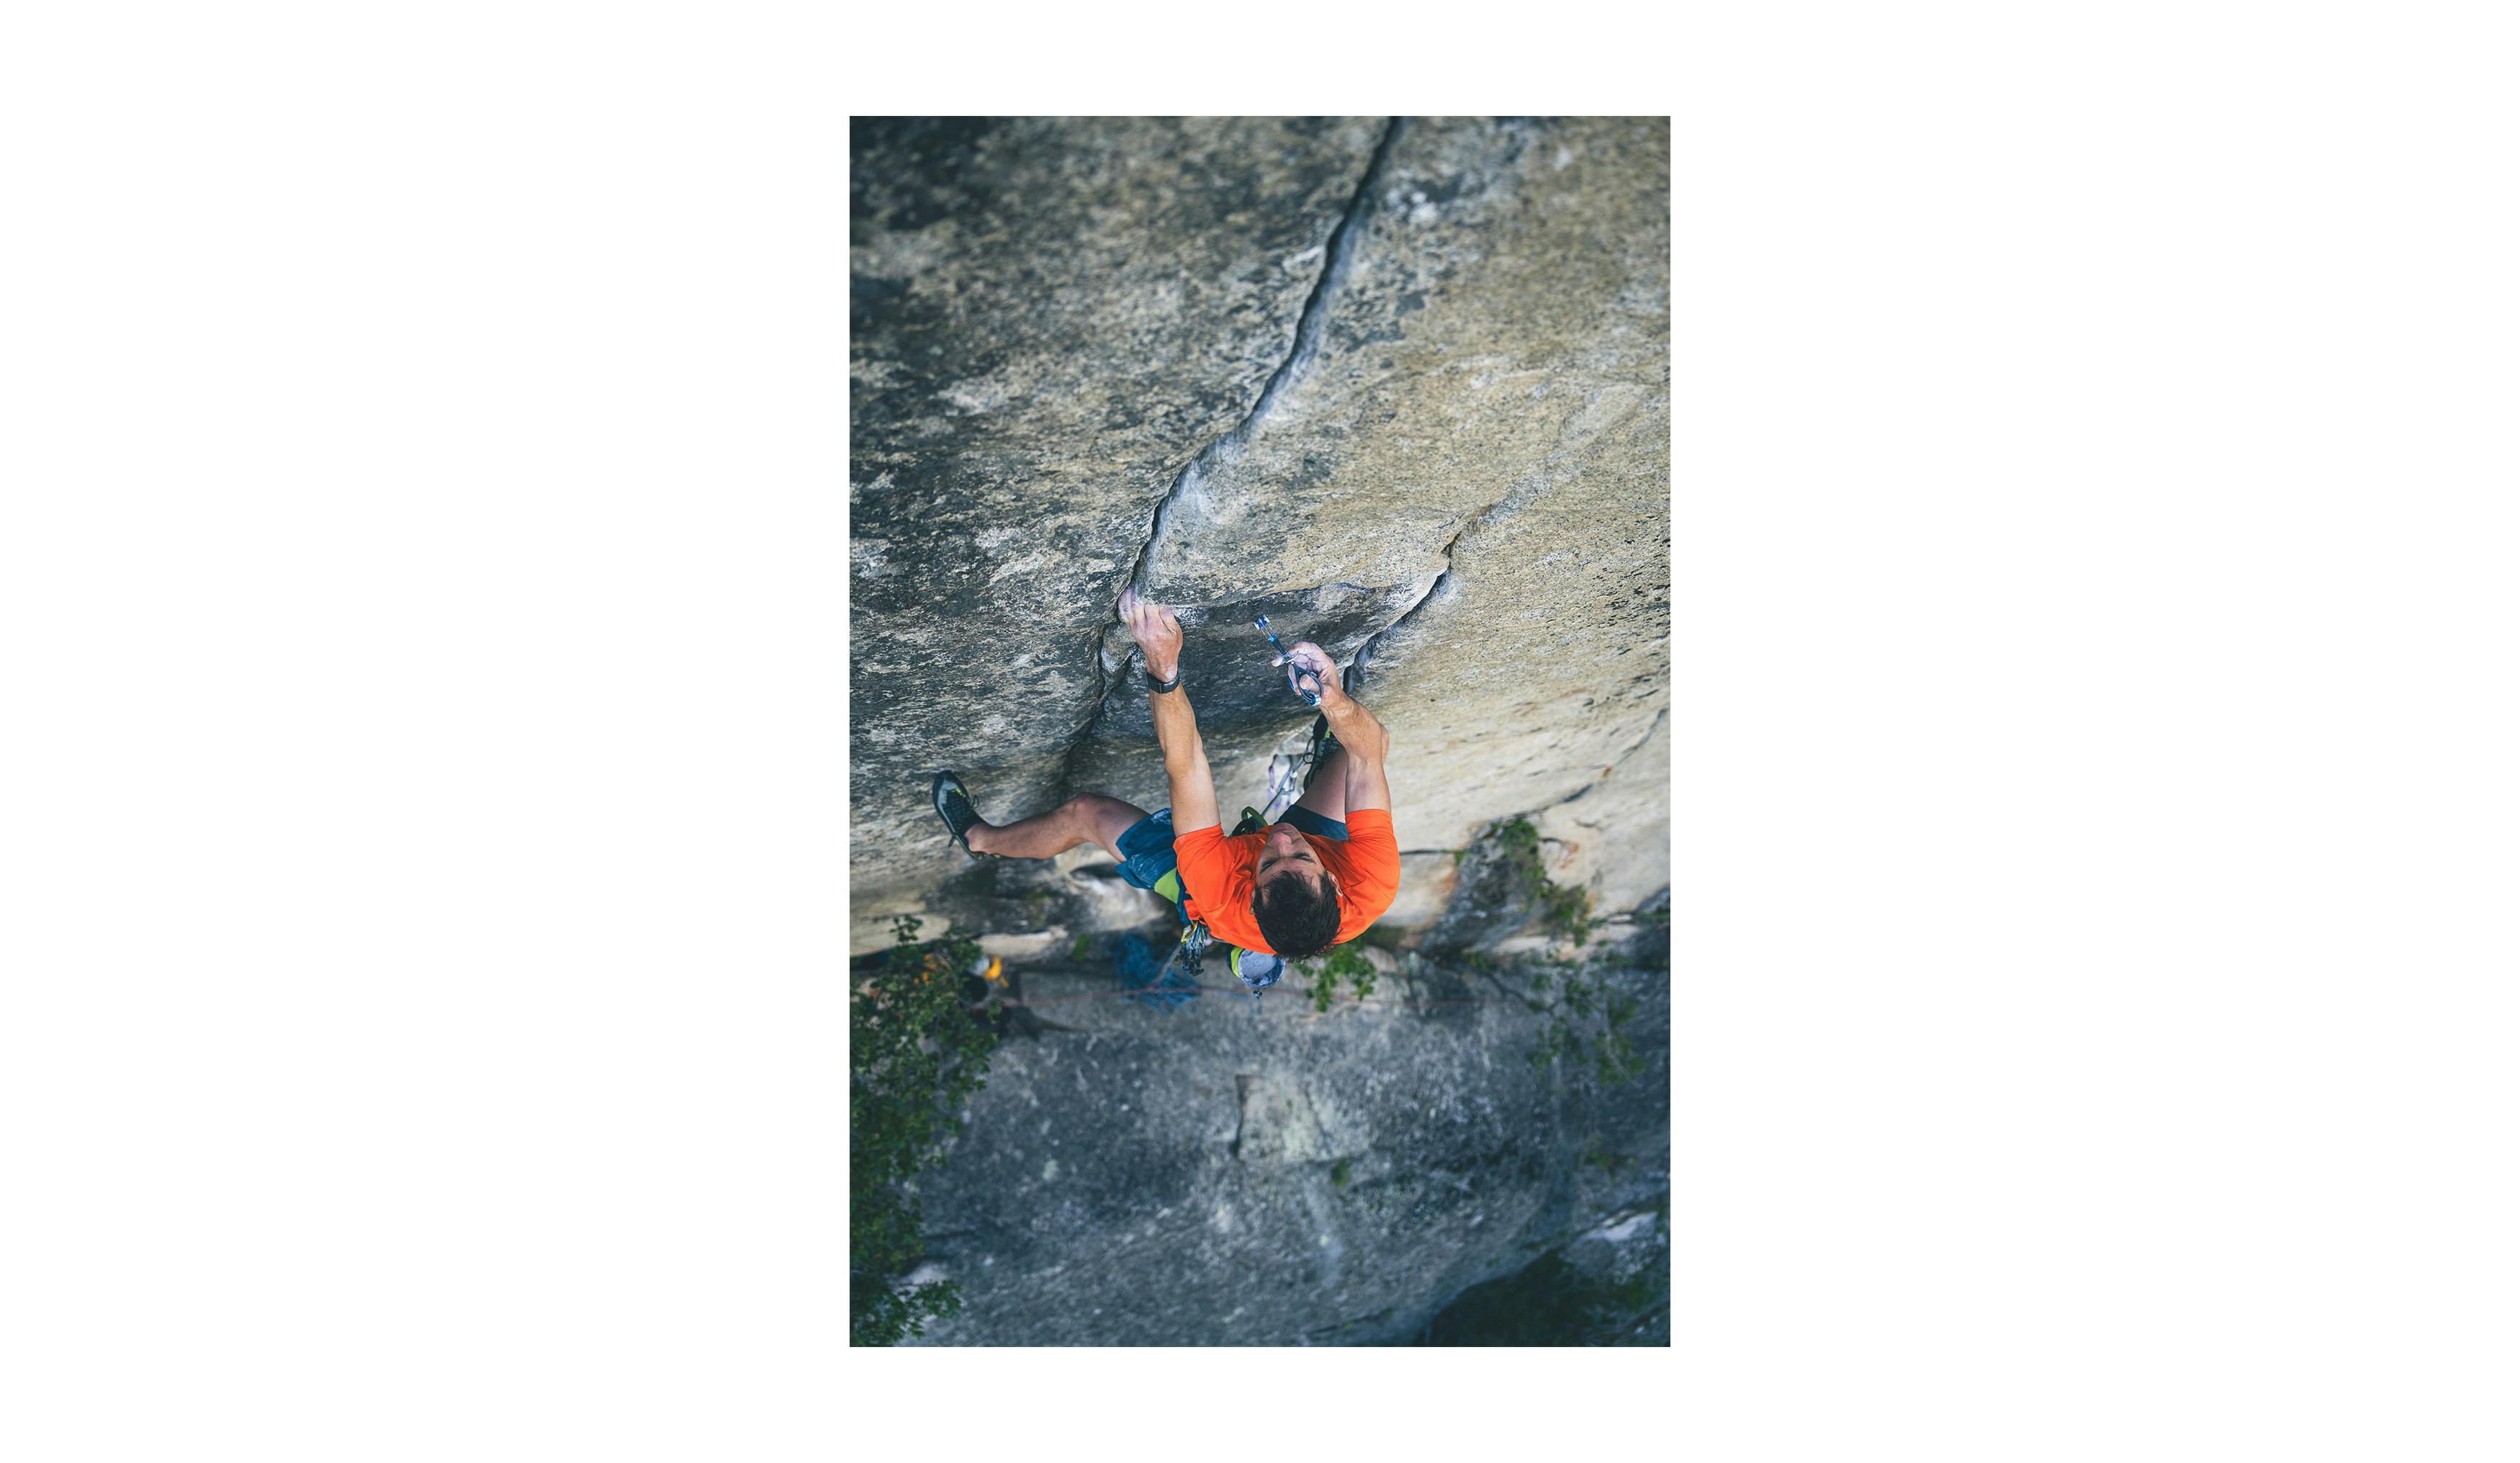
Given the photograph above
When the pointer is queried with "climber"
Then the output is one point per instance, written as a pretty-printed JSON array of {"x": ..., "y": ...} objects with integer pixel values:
[{"x": 1323, "y": 872}]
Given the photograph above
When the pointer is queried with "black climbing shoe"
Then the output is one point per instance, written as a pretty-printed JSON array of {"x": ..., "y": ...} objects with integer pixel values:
[{"x": 953, "y": 805}]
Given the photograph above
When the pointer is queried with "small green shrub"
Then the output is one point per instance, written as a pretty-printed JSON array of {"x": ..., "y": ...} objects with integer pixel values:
[
  {"x": 916, "y": 1052},
  {"x": 1565, "y": 910},
  {"x": 1321, "y": 976}
]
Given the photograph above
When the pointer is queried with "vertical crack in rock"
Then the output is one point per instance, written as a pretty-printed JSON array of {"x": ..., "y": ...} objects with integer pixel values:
[
  {"x": 1191, "y": 482},
  {"x": 1352, "y": 680},
  {"x": 1336, "y": 256},
  {"x": 1660, "y": 718}
]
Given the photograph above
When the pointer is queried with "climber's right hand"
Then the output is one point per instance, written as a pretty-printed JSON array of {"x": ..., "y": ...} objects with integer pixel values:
[
  {"x": 1320, "y": 672},
  {"x": 1158, "y": 634}
]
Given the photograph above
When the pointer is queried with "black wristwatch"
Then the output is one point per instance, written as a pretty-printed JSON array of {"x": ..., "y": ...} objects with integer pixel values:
[{"x": 1160, "y": 686}]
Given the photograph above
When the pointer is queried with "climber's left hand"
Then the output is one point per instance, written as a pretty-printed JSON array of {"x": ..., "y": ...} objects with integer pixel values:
[{"x": 1157, "y": 631}]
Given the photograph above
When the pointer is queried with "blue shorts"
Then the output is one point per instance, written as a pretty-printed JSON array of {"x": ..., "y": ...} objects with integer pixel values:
[{"x": 1147, "y": 849}]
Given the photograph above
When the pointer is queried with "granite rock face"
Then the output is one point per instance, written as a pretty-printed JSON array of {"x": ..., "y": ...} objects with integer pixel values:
[
  {"x": 1046, "y": 319},
  {"x": 1225, "y": 1176},
  {"x": 1402, "y": 387}
]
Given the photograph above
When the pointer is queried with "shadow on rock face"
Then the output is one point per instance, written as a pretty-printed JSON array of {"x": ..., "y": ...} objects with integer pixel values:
[
  {"x": 1226, "y": 658},
  {"x": 1611, "y": 1287}
]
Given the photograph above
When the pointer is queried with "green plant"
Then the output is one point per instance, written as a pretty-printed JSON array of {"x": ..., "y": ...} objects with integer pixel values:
[
  {"x": 1083, "y": 947},
  {"x": 1323, "y": 976},
  {"x": 1339, "y": 1174},
  {"x": 916, "y": 1052},
  {"x": 1565, "y": 910}
]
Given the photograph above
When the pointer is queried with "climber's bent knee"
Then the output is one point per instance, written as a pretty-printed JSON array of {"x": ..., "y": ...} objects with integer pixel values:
[{"x": 1103, "y": 819}]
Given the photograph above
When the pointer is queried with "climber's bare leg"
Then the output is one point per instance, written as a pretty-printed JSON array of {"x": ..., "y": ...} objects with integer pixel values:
[
  {"x": 1327, "y": 796},
  {"x": 1087, "y": 818}
]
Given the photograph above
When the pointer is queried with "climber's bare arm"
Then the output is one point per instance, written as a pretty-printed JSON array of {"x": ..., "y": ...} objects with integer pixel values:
[
  {"x": 1159, "y": 638},
  {"x": 1194, "y": 792},
  {"x": 1358, "y": 734}
]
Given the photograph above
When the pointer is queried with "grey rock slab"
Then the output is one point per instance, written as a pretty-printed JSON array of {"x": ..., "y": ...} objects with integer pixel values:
[
  {"x": 1223, "y": 1175},
  {"x": 1468, "y": 484},
  {"x": 1545, "y": 654},
  {"x": 1461, "y": 484},
  {"x": 1495, "y": 297},
  {"x": 1614, "y": 834},
  {"x": 1049, "y": 317}
]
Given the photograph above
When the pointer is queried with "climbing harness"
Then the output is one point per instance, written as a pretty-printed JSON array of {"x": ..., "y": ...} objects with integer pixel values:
[{"x": 1296, "y": 673}]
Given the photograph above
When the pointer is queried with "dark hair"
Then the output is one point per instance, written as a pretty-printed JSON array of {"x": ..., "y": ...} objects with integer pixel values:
[{"x": 1299, "y": 917}]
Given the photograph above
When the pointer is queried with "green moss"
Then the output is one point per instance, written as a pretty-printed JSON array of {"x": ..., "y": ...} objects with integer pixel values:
[
  {"x": 1339, "y": 1174},
  {"x": 1083, "y": 947}
]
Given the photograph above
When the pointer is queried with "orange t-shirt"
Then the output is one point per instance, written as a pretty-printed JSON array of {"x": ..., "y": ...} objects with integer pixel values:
[{"x": 1216, "y": 876}]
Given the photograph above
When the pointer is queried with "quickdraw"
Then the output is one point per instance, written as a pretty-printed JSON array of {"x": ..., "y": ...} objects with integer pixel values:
[
  {"x": 1295, "y": 675},
  {"x": 1257, "y": 971}
]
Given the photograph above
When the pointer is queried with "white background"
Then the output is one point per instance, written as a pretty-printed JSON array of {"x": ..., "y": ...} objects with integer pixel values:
[{"x": 423, "y": 499}]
